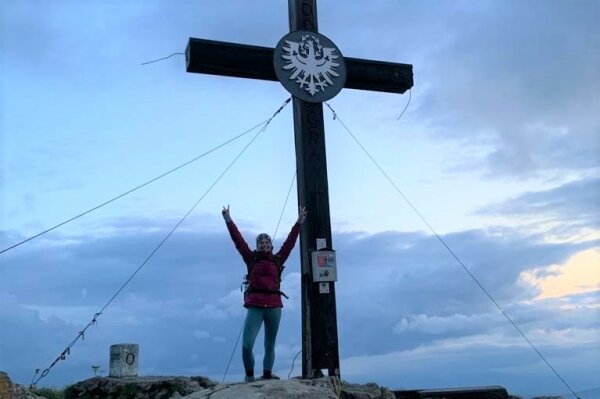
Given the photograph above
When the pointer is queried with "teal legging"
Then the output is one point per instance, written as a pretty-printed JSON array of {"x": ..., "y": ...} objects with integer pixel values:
[{"x": 254, "y": 319}]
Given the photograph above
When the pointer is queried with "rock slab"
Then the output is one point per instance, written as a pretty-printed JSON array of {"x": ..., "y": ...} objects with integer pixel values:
[
  {"x": 322, "y": 388},
  {"x": 203, "y": 388}
]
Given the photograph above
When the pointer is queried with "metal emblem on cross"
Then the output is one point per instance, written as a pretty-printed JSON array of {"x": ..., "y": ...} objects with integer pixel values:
[{"x": 309, "y": 66}]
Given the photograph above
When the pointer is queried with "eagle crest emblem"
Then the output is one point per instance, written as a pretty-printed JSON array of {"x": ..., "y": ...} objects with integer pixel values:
[{"x": 312, "y": 64}]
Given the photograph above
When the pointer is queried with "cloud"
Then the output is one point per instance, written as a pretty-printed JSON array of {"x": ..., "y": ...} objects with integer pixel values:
[
  {"x": 224, "y": 307},
  {"x": 200, "y": 334},
  {"x": 397, "y": 291},
  {"x": 577, "y": 200},
  {"x": 416, "y": 264},
  {"x": 579, "y": 274},
  {"x": 482, "y": 359},
  {"x": 511, "y": 97},
  {"x": 566, "y": 211},
  {"x": 437, "y": 325},
  {"x": 28, "y": 341}
]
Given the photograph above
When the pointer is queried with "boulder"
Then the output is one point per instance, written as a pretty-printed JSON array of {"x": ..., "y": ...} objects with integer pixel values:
[
  {"x": 8, "y": 390},
  {"x": 5, "y": 386},
  {"x": 366, "y": 391},
  {"x": 137, "y": 387}
]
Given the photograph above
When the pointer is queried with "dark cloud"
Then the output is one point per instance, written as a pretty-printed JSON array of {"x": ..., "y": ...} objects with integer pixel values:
[
  {"x": 416, "y": 262},
  {"x": 396, "y": 292},
  {"x": 391, "y": 279},
  {"x": 575, "y": 204},
  {"x": 517, "y": 84},
  {"x": 26, "y": 340},
  {"x": 113, "y": 36}
]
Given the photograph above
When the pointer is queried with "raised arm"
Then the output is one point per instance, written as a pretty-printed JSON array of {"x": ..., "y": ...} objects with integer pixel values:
[
  {"x": 290, "y": 241},
  {"x": 236, "y": 237}
]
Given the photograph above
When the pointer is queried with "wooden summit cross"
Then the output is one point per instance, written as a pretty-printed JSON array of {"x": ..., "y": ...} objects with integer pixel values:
[{"x": 315, "y": 65}]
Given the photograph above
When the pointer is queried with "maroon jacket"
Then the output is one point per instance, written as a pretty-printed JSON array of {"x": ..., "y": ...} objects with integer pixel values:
[{"x": 265, "y": 271}]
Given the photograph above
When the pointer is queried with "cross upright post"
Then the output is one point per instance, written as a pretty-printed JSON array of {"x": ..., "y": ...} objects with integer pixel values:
[
  {"x": 319, "y": 317},
  {"x": 319, "y": 320}
]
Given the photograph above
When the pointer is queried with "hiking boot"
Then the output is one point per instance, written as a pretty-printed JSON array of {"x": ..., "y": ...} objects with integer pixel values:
[{"x": 249, "y": 379}]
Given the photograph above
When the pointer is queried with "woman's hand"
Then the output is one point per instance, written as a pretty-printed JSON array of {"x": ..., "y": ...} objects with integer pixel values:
[
  {"x": 302, "y": 214},
  {"x": 225, "y": 213}
]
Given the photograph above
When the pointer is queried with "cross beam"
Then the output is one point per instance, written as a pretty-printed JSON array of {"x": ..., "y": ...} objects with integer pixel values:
[
  {"x": 244, "y": 61},
  {"x": 319, "y": 319}
]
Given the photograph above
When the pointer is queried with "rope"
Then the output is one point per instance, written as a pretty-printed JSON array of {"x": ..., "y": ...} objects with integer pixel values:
[
  {"x": 135, "y": 188},
  {"x": 465, "y": 268},
  {"x": 81, "y": 334}
]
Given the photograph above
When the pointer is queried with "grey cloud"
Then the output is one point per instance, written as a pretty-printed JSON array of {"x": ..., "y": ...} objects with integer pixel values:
[
  {"x": 486, "y": 359},
  {"x": 417, "y": 263},
  {"x": 152, "y": 31},
  {"x": 27, "y": 341},
  {"x": 437, "y": 325},
  {"x": 192, "y": 285},
  {"x": 574, "y": 203},
  {"x": 522, "y": 79},
  {"x": 389, "y": 277}
]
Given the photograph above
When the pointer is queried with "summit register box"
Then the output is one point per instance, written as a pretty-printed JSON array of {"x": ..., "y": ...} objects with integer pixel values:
[{"x": 324, "y": 265}]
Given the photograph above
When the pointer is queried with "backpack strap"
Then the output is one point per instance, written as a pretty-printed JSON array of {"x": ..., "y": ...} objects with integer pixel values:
[
  {"x": 265, "y": 291},
  {"x": 252, "y": 263}
]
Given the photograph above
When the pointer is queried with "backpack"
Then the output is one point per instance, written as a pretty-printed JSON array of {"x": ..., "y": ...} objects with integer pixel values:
[{"x": 245, "y": 286}]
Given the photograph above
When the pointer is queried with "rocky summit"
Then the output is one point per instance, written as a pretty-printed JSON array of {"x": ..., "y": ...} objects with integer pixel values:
[{"x": 204, "y": 388}]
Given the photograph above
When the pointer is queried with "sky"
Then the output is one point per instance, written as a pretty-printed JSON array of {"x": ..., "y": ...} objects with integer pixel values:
[{"x": 498, "y": 150}]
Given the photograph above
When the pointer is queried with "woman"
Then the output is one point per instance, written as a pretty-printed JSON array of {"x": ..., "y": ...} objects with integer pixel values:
[{"x": 263, "y": 295}]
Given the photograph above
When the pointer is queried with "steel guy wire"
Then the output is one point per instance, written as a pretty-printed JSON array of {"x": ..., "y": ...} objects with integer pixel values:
[
  {"x": 233, "y": 353},
  {"x": 293, "y": 361},
  {"x": 284, "y": 205},
  {"x": 460, "y": 262},
  {"x": 266, "y": 121},
  {"x": 81, "y": 334}
]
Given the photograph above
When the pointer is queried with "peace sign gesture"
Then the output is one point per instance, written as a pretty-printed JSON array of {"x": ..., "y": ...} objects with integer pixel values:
[{"x": 225, "y": 213}]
